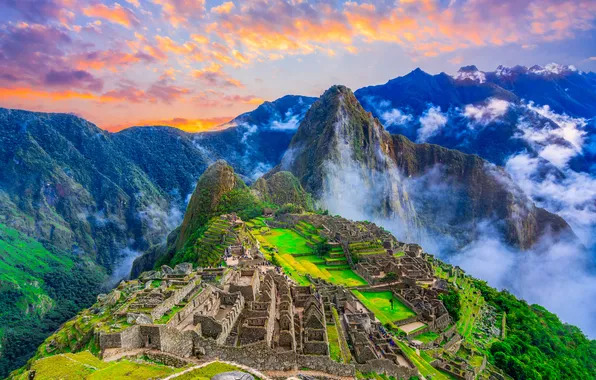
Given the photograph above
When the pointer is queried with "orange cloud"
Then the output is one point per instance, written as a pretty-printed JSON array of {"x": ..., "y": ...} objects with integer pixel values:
[
  {"x": 223, "y": 8},
  {"x": 30, "y": 93},
  {"x": 117, "y": 14}
]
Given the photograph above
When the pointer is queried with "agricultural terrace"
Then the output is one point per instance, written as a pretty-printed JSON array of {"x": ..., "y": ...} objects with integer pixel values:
[
  {"x": 471, "y": 301},
  {"x": 293, "y": 249},
  {"x": 380, "y": 304},
  {"x": 366, "y": 248}
]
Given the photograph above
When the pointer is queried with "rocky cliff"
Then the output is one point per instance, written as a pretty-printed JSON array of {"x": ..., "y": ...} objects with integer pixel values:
[
  {"x": 342, "y": 156},
  {"x": 354, "y": 167}
]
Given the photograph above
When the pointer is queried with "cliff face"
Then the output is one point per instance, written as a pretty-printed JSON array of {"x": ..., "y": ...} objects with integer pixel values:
[
  {"x": 455, "y": 193},
  {"x": 65, "y": 182},
  {"x": 342, "y": 155},
  {"x": 353, "y": 167}
]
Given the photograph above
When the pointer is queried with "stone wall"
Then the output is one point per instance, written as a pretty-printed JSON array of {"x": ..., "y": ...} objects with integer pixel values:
[
  {"x": 176, "y": 342},
  {"x": 113, "y": 340},
  {"x": 175, "y": 299},
  {"x": 190, "y": 307}
]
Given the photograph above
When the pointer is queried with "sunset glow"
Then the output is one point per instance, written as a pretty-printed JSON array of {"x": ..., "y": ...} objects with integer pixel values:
[{"x": 130, "y": 62}]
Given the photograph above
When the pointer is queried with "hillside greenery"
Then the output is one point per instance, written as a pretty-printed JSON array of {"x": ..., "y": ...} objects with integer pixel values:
[
  {"x": 537, "y": 344},
  {"x": 40, "y": 288}
]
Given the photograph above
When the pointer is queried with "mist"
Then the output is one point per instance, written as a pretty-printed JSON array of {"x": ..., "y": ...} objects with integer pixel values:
[{"x": 556, "y": 275}]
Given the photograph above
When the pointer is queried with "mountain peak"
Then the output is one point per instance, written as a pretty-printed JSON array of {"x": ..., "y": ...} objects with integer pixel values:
[
  {"x": 469, "y": 68},
  {"x": 417, "y": 73},
  {"x": 216, "y": 181},
  {"x": 470, "y": 73}
]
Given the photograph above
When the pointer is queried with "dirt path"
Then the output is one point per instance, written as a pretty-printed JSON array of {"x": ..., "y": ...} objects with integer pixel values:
[
  {"x": 295, "y": 373},
  {"x": 250, "y": 370}
]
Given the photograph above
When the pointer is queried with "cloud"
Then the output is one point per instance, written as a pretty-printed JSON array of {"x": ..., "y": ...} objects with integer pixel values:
[
  {"x": 431, "y": 122},
  {"x": 213, "y": 75},
  {"x": 553, "y": 275},
  {"x": 486, "y": 113},
  {"x": 226, "y": 7},
  {"x": 109, "y": 59},
  {"x": 181, "y": 12},
  {"x": 395, "y": 117},
  {"x": 163, "y": 91},
  {"x": 73, "y": 78},
  {"x": 116, "y": 14},
  {"x": 290, "y": 122},
  {"x": 569, "y": 194},
  {"x": 557, "y": 140},
  {"x": 41, "y": 11}
]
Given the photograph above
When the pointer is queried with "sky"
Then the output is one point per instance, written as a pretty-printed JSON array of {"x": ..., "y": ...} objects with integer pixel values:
[{"x": 195, "y": 64}]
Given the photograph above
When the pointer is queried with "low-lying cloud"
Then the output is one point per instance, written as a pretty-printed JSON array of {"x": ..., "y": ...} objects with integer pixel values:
[
  {"x": 431, "y": 122},
  {"x": 484, "y": 114},
  {"x": 553, "y": 275}
]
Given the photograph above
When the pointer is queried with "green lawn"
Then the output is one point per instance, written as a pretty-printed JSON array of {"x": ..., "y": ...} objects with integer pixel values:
[
  {"x": 379, "y": 303},
  {"x": 84, "y": 365},
  {"x": 423, "y": 366},
  {"x": 287, "y": 241},
  {"x": 334, "y": 349},
  {"x": 316, "y": 267},
  {"x": 427, "y": 337}
]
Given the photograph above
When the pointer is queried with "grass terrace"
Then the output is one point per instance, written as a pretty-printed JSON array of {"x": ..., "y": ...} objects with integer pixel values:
[
  {"x": 297, "y": 259},
  {"x": 84, "y": 365},
  {"x": 380, "y": 304},
  {"x": 427, "y": 337},
  {"x": 287, "y": 241},
  {"x": 366, "y": 248}
]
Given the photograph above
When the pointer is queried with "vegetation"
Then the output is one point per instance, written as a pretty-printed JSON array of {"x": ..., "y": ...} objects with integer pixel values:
[
  {"x": 451, "y": 300},
  {"x": 40, "y": 288},
  {"x": 538, "y": 345},
  {"x": 380, "y": 304},
  {"x": 85, "y": 365}
]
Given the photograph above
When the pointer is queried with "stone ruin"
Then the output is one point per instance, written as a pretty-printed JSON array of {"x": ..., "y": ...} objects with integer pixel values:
[{"x": 258, "y": 317}]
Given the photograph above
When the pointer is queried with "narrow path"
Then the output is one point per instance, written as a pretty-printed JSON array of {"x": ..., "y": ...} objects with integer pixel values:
[
  {"x": 250, "y": 370},
  {"x": 295, "y": 373}
]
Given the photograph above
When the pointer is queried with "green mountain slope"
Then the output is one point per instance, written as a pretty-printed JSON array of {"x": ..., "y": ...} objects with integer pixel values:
[{"x": 39, "y": 288}]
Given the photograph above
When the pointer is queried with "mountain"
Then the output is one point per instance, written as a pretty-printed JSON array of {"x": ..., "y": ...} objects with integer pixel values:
[
  {"x": 492, "y": 114},
  {"x": 255, "y": 141},
  {"x": 455, "y": 193},
  {"x": 219, "y": 191},
  {"x": 341, "y": 155},
  {"x": 40, "y": 287},
  {"x": 283, "y": 188},
  {"x": 64, "y": 181},
  {"x": 464, "y": 112},
  {"x": 563, "y": 88},
  {"x": 353, "y": 166},
  {"x": 168, "y": 156}
]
